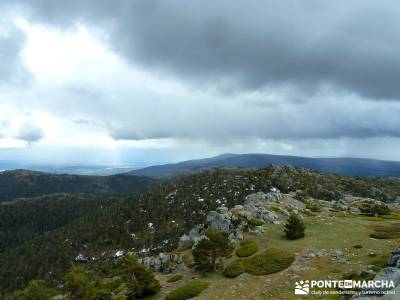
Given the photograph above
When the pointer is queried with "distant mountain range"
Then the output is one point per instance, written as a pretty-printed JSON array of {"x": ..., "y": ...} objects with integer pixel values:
[
  {"x": 24, "y": 183},
  {"x": 340, "y": 166}
]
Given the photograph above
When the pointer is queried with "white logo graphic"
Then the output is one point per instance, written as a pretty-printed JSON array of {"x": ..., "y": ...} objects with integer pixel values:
[{"x": 302, "y": 288}]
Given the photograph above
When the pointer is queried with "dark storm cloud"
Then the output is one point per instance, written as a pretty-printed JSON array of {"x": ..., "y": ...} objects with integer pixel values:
[{"x": 244, "y": 45}]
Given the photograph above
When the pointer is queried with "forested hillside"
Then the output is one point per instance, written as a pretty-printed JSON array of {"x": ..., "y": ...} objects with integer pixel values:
[
  {"x": 24, "y": 183},
  {"x": 152, "y": 221},
  {"x": 23, "y": 219}
]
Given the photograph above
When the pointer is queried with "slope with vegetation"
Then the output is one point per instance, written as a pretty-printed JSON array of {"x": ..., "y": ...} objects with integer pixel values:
[
  {"x": 24, "y": 183},
  {"x": 153, "y": 221}
]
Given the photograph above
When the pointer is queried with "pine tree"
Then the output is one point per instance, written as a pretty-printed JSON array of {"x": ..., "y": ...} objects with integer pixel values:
[
  {"x": 294, "y": 228},
  {"x": 208, "y": 250}
]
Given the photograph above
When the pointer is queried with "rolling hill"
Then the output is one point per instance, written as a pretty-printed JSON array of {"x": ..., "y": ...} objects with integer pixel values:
[
  {"x": 24, "y": 183},
  {"x": 340, "y": 166}
]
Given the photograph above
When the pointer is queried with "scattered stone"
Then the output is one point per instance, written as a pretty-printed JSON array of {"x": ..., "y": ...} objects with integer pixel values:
[
  {"x": 119, "y": 254},
  {"x": 336, "y": 253},
  {"x": 81, "y": 258}
]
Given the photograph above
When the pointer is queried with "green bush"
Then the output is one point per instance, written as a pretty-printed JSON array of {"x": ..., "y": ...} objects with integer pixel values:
[
  {"x": 247, "y": 248},
  {"x": 78, "y": 283},
  {"x": 371, "y": 208},
  {"x": 234, "y": 269},
  {"x": 270, "y": 261},
  {"x": 141, "y": 278},
  {"x": 384, "y": 235},
  {"x": 301, "y": 196},
  {"x": 255, "y": 222},
  {"x": 313, "y": 206},
  {"x": 188, "y": 291},
  {"x": 294, "y": 227},
  {"x": 386, "y": 232},
  {"x": 357, "y": 246},
  {"x": 36, "y": 290},
  {"x": 127, "y": 278},
  {"x": 175, "y": 278}
]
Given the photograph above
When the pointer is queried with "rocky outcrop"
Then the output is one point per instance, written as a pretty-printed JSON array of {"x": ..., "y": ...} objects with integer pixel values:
[
  {"x": 220, "y": 219},
  {"x": 392, "y": 274},
  {"x": 394, "y": 259},
  {"x": 162, "y": 262},
  {"x": 235, "y": 221},
  {"x": 261, "y": 199}
]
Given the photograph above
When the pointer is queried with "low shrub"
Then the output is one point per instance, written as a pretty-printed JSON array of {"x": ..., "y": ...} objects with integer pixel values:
[
  {"x": 383, "y": 235},
  {"x": 386, "y": 232},
  {"x": 247, "y": 248},
  {"x": 188, "y": 291},
  {"x": 234, "y": 269},
  {"x": 313, "y": 206},
  {"x": 357, "y": 246},
  {"x": 301, "y": 195},
  {"x": 255, "y": 222},
  {"x": 175, "y": 278},
  {"x": 270, "y": 261},
  {"x": 371, "y": 208},
  {"x": 36, "y": 289}
]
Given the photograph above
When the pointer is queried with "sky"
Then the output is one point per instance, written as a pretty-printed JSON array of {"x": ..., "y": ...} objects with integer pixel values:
[{"x": 148, "y": 81}]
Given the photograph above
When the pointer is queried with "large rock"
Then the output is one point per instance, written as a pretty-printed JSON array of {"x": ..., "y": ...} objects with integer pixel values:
[
  {"x": 196, "y": 234},
  {"x": 162, "y": 262},
  {"x": 261, "y": 199},
  {"x": 220, "y": 219},
  {"x": 394, "y": 260},
  {"x": 267, "y": 216},
  {"x": 389, "y": 274}
]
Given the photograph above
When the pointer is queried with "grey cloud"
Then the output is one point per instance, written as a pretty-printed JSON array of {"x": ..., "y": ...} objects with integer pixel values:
[
  {"x": 30, "y": 132},
  {"x": 325, "y": 119},
  {"x": 352, "y": 45},
  {"x": 12, "y": 70},
  {"x": 314, "y": 66},
  {"x": 129, "y": 133}
]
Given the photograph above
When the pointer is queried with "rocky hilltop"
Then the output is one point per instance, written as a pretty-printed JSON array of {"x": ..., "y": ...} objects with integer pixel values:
[
  {"x": 260, "y": 213},
  {"x": 351, "y": 227}
]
